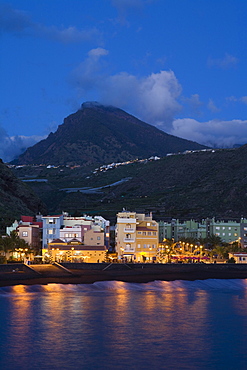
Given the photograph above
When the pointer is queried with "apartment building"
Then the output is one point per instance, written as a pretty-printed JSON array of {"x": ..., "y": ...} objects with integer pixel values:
[
  {"x": 137, "y": 237},
  {"x": 229, "y": 231}
]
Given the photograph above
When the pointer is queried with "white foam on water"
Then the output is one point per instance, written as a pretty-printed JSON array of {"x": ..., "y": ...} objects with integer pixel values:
[{"x": 118, "y": 286}]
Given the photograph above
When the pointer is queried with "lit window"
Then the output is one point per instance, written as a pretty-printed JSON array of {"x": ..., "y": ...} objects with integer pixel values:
[
  {"x": 50, "y": 231},
  {"x": 139, "y": 246},
  {"x": 148, "y": 223},
  {"x": 24, "y": 233},
  {"x": 98, "y": 237}
]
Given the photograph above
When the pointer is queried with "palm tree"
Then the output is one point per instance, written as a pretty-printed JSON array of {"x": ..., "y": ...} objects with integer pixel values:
[{"x": 221, "y": 251}]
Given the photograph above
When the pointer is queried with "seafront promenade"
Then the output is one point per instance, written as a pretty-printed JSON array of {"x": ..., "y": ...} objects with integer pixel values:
[{"x": 86, "y": 273}]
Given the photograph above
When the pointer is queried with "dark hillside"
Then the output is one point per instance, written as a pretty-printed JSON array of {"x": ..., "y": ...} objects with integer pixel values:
[
  {"x": 198, "y": 185},
  {"x": 16, "y": 198}
]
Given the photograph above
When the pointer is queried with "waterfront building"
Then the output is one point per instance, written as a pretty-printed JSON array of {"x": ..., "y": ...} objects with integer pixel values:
[
  {"x": 229, "y": 231},
  {"x": 239, "y": 257},
  {"x": 74, "y": 251},
  {"x": 176, "y": 230},
  {"x": 29, "y": 229},
  {"x": 136, "y": 237},
  {"x": 67, "y": 227},
  {"x": 87, "y": 230}
]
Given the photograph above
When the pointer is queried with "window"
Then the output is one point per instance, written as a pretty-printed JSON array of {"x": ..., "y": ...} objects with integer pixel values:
[
  {"x": 229, "y": 228},
  {"x": 148, "y": 223},
  {"x": 149, "y": 233},
  {"x": 139, "y": 232},
  {"x": 229, "y": 234},
  {"x": 154, "y": 232},
  {"x": 50, "y": 231},
  {"x": 24, "y": 233},
  {"x": 51, "y": 221},
  {"x": 144, "y": 233},
  {"x": 144, "y": 246},
  {"x": 128, "y": 236},
  {"x": 138, "y": 245},
  {"x": 217, "y": 228},
  {"x": 98, "y": 237},
  {"x": 223, "y": 234}
]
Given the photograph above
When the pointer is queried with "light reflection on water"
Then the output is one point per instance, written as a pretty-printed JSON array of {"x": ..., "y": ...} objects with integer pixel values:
[{"x": 114, "y": 325}]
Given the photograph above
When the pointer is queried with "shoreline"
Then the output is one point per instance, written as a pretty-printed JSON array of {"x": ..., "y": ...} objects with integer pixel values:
[{"x": 131, "y": 273}]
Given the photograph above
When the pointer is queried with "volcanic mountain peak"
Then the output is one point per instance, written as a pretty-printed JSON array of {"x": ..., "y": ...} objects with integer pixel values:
[{"x": 97, "y": 134}]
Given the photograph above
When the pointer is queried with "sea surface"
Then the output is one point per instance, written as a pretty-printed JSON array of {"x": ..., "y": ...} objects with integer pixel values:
[{"x": 116, "y": 325}]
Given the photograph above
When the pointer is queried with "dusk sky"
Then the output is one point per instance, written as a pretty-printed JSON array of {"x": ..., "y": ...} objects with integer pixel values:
[{"x": 180, "y": 65}]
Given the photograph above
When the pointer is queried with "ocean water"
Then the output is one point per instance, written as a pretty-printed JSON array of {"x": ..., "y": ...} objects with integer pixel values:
[{"x": 116, "y": 325}]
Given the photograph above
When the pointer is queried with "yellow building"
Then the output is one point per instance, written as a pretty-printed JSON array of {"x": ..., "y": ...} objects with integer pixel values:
[
  {"x": 74, "y": 251},
  {"x": 136, "y": 237}
]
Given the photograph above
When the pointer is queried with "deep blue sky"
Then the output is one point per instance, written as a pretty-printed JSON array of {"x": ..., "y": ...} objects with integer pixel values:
[{"x": 177, "y": 64}]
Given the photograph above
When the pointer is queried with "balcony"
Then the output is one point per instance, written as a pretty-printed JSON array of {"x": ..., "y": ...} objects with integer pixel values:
[
  {"x": 129, "y": 240},
  {"x": 129, "y": 230}
]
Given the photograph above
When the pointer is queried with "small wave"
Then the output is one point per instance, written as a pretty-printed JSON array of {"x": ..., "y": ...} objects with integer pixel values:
[{"x": 118, "y": 286}]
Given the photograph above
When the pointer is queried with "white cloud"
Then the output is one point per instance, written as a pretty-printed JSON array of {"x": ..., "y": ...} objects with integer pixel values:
[
  {"x": 215, "y": 133},
  {"x": 124, "y": 7},
  {"x": 194, "y": 103},
  {"x": 234, "y": 99},
  {"x": 98, "y": 52},
  {"x": 11, "y": 147},
  {"x": 227, "y": 62},
  {"x": 152, "y": 98},
  {"x": 19, "y": 22},
  {"x": 212, "y": 107},
  {"x": 243, "y": 99}
]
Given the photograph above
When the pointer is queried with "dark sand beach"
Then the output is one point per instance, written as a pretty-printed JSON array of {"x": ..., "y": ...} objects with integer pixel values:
[{"x": 76, "y": 273}]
